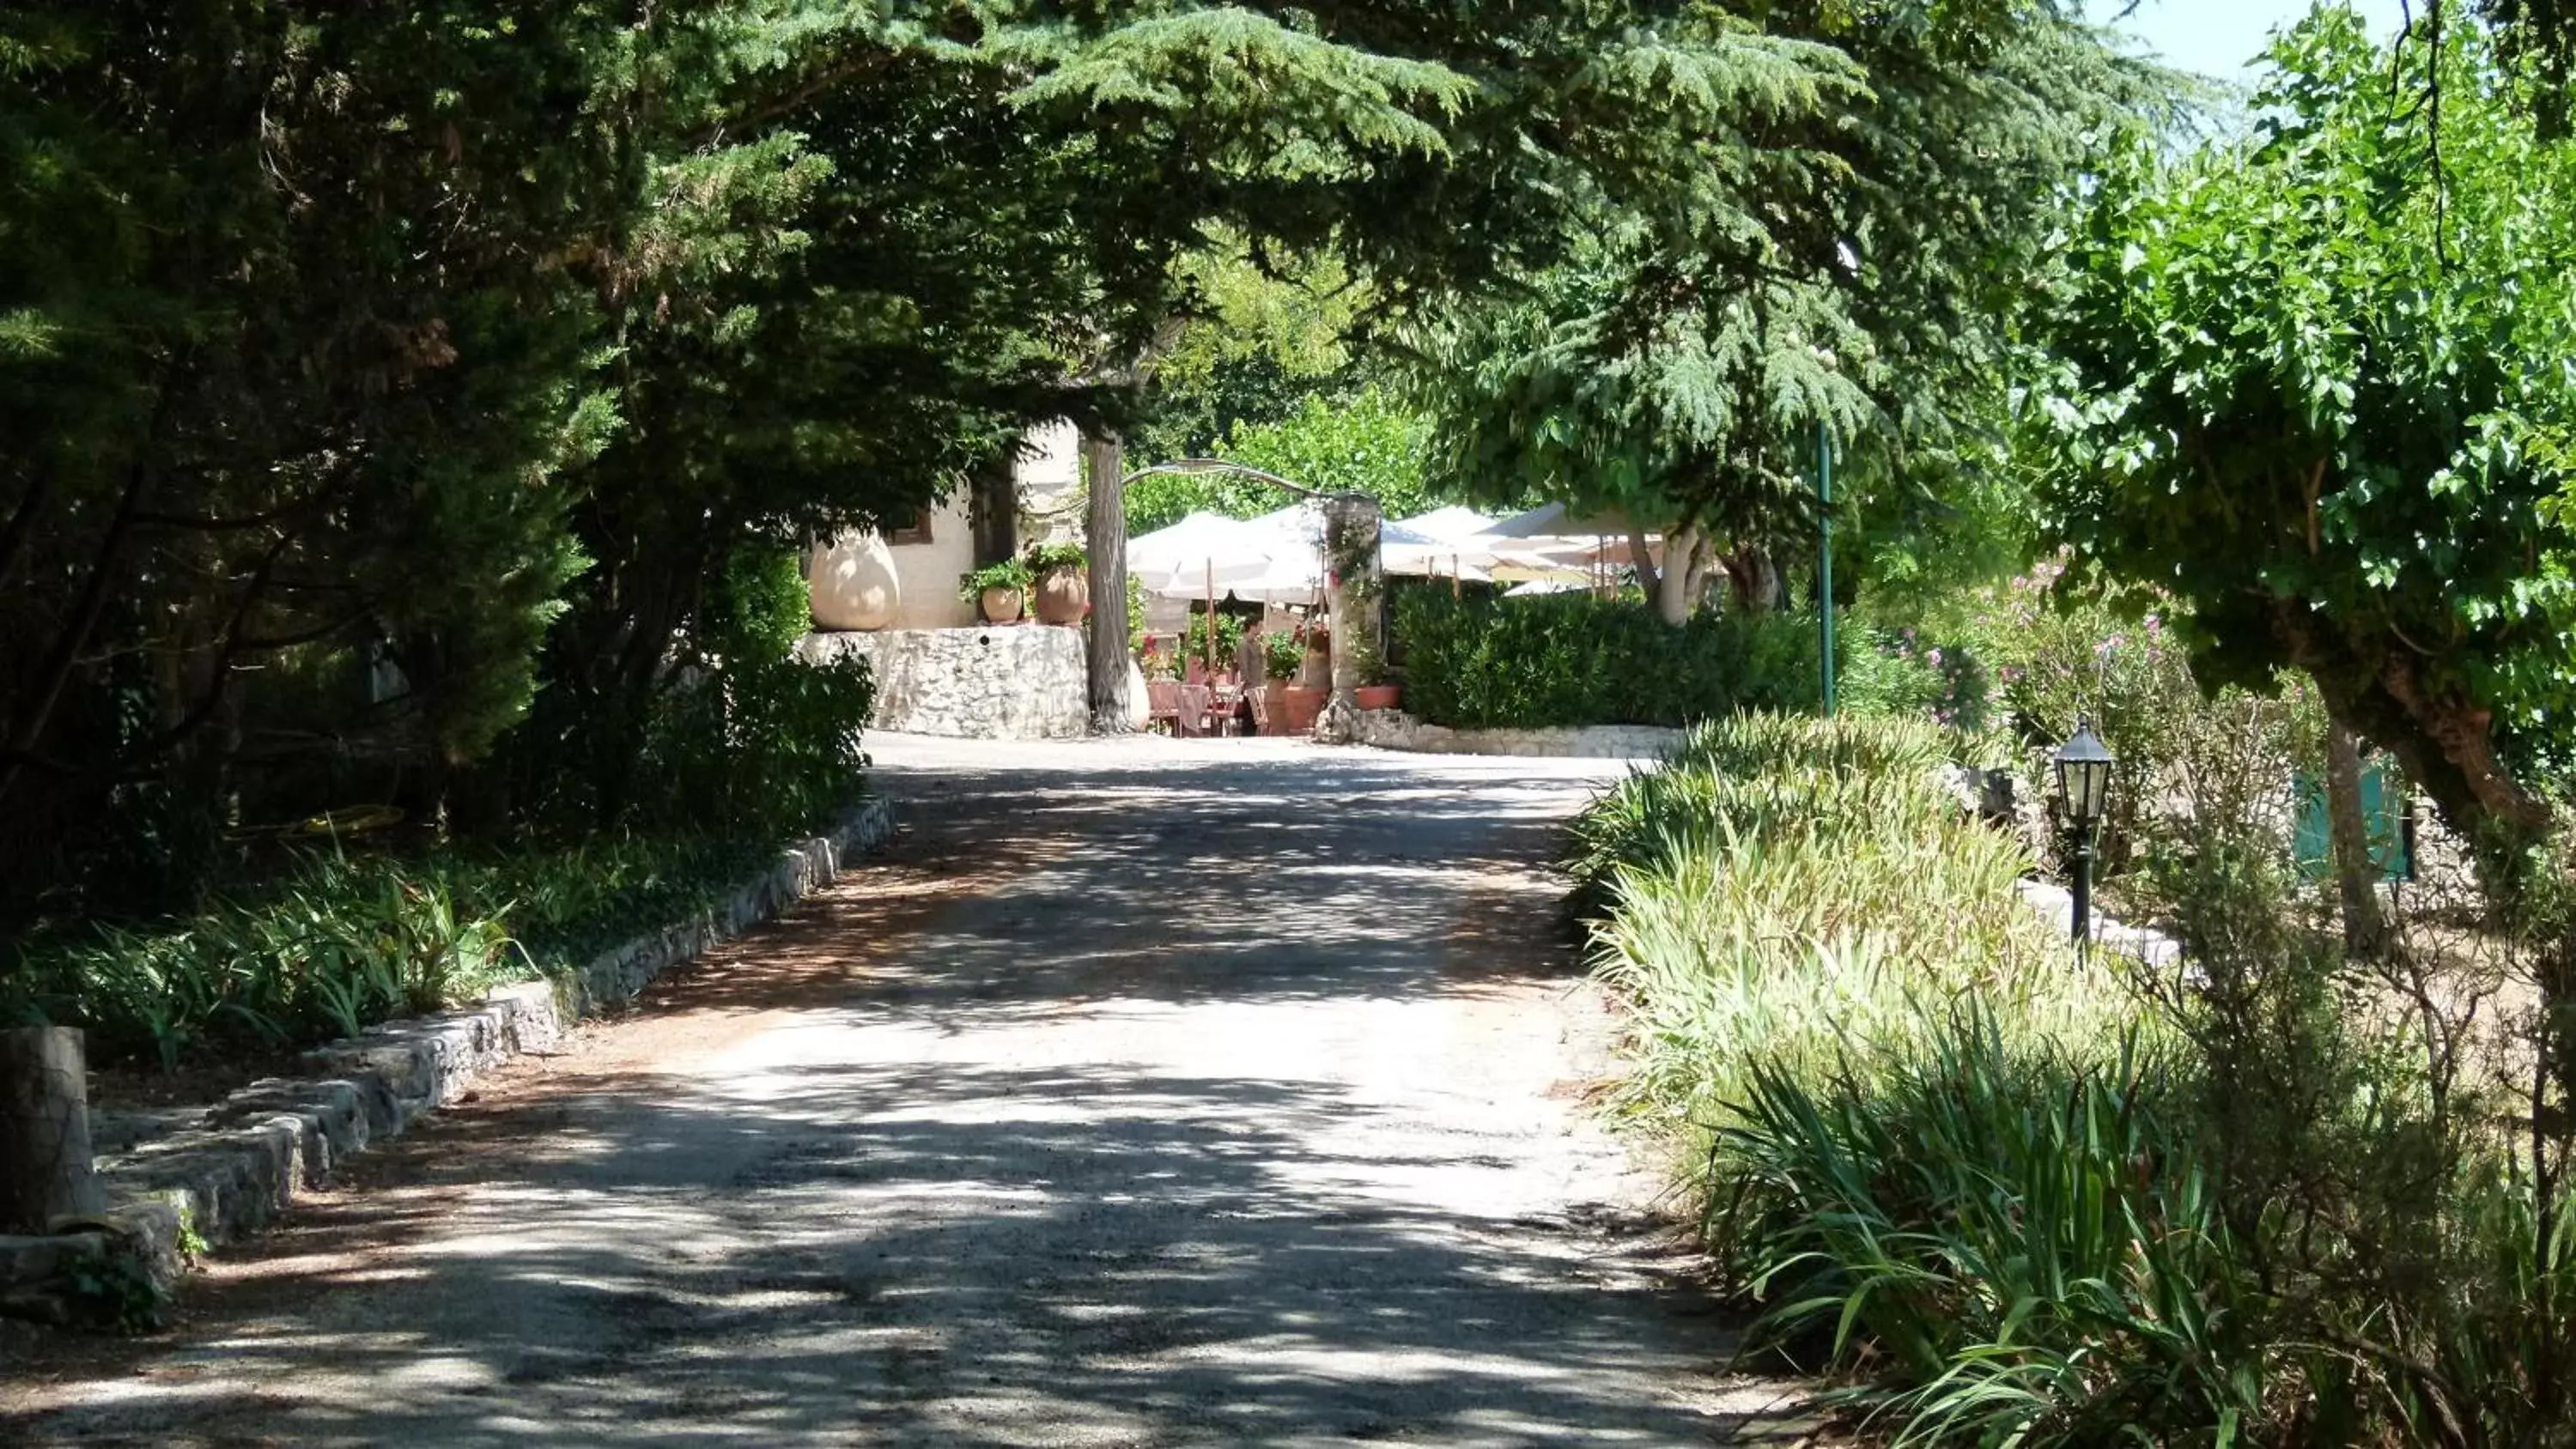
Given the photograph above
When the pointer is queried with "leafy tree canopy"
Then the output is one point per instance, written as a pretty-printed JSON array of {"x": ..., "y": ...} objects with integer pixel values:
[
  {"x": 1850, "y": 261},
  {"x": 2316, "y": 382}
]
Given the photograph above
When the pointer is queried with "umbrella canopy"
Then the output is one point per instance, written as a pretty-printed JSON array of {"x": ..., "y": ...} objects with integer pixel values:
[
  {"x": 1202, "y": 551},
  {"x": 1475, "y": 551},
  {"x": 1453, "y": 524},
  {"x": 1555, "y": 520}
]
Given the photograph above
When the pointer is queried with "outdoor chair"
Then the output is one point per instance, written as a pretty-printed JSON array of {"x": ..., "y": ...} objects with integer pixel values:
[
  {"x": 1163, "y": 704},
  {"x": 1193, "y": 717}
]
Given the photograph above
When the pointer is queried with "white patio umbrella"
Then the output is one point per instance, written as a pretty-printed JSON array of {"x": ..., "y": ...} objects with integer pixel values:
[
  {"x": 1200, "y": 554},
  {"x": 1555, "y": 520},
  {"x": 1475, "y": 551},
  {"x": 1402, "y": 549}
]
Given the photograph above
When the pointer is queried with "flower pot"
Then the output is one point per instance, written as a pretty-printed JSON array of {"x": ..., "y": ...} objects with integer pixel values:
[
  {"x": 1377, "y": 696},
  {"x": 1302, "y": 704},
  {"x": 853, "y": 584},
  {"x": 1270, "y": 708},
  {"x": 1062, "y": 596},
  {"x": 1000, "y": 606}
]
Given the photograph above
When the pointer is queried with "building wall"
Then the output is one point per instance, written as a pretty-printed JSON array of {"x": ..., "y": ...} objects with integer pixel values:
[
  {"x": 926, "y": 573},
  {"x": 1049, "y": 475}
]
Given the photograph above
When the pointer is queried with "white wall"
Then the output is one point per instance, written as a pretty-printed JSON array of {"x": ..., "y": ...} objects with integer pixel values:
[
  {"x": 1050, "y": 484},
  {"x": 926, "y": 573}
]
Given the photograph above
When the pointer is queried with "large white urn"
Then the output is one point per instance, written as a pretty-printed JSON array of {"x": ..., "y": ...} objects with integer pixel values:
[{"x": 854, "y": 585}]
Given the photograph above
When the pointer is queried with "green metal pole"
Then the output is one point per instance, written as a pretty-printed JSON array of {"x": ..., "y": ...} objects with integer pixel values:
[{"x": 1825, "y": 557}]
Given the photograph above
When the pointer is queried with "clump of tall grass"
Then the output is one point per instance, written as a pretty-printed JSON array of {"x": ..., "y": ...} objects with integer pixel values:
[
  {"x": 339, "y": 940},
  {"x": 1802, "y": 883},
  {"x": 2019, "y": 1199}
]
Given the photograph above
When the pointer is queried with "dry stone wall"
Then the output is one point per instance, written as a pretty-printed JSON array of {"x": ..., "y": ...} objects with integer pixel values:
[{"x": 1000, "y": 682}]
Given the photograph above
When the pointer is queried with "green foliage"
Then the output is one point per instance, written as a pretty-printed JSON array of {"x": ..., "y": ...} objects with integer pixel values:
[
  {"x": 1221, "y": 632},
  {"x": 1048, "y": 558},
  {"x": 2257, "y": 1195},
  {"x": 2313, "y": 386},
  {"x": 1571, "y": 659},
  {"x": 1678, "y": 362},
  {"x": 1795, "y": 882},
  {"x": 1361, "y": 443},
  {"x": 1283, "y": 653},
  {"x": 2017, "y": 1234},
  {"x": 341, "y": 943},
  {"x": 1010, "y": 573},
  {"x": 335, "y": 942}
]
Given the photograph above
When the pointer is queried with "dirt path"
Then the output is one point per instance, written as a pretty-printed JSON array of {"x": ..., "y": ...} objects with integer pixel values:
[{"x": 1146, "y": 1093}]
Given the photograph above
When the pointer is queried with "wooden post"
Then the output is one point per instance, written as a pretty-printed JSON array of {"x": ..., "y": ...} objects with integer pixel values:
[{"x": 45, "y": 1170}]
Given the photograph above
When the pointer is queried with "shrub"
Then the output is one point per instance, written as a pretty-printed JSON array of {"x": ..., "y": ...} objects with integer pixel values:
[
  {"x": 1571, "y": 659},
  {"x": 1283, "y": 653},
  {"x": 338, "y": 941},
  {"x": 2269, "y": 1195},
  {"x": 1800, "y": 882}
]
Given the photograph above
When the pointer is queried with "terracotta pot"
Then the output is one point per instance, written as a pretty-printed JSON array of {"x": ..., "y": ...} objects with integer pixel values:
[
  {"x": 1062, "y": 596},
  {"x": 1000, "y": 606},
  {"x": 1270, "y": 708},
  {"x": 1302, "y": 704},
  {"x": 853, "y": 584},
  {"x": 1377, "y": 696}
]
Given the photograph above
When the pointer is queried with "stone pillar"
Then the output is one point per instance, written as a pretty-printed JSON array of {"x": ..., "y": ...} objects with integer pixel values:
[
  {"x": 1355, "y": 588},
  {"x": 45, "y": 1170}
]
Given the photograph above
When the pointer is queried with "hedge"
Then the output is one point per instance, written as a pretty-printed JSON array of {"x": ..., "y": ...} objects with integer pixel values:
[{"x": 1572, "y": 659}]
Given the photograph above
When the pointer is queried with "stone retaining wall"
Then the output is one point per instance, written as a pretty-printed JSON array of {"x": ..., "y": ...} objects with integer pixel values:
[
  {"x": 242, "y": 1162},
  {"x": 1004, "y": 682},
  {"x": 1390, "y": 729}
]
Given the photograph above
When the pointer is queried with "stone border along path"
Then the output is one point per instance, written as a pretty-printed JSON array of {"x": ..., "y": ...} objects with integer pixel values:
[
  {"x": 1393, "y": 729},
  {"x": 1145, "y": 1092},
  {"x": 243, "y": 1160}
]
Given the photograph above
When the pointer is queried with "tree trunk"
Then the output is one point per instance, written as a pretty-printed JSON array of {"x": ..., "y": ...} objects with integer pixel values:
[
  {"x": 1753, "y": 578},
  {"x": 1642, "y": 558},
  {"x": 1673, "y": 590},
  {"x": 2445, "y": 742},
  {"x": 1356, "y": 590},
  {"x": 45, "y": 1170},
  {"x": 1105, "y": 539},
  {"x": 2365, "y": 932}
]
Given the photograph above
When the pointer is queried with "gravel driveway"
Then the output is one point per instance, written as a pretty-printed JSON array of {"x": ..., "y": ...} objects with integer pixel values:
[{"x": 1145, "y": 1092}]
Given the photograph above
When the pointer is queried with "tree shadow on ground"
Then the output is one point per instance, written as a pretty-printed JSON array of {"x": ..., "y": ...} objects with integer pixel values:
[{"x": 921, "y": 1213}]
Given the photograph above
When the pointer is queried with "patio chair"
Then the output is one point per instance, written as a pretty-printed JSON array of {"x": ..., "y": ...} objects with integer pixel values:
[
  {"x": 1163, "y": 704},
  {"x": 1193, "y": 718}
]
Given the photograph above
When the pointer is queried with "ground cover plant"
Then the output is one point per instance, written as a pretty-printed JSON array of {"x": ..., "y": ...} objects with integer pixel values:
[
  {"x": 2269, "y": 1193},
  {"x": 333, "y": 940}
]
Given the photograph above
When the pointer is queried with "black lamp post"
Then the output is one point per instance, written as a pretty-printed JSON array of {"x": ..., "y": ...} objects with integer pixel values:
[{"x": 2083, "y": 788}]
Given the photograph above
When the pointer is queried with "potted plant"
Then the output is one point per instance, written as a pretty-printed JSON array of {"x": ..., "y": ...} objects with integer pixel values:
[
  {"x": 1303, "y": 702},
  {"x": 1063, "y": 588},
  {"x": 1377, "y": 694},
  {"x": 1282, "y": 655},
  {"x": 1000, "y": 590}
]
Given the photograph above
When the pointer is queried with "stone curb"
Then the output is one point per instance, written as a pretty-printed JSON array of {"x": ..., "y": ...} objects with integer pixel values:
[
  {"x": 258, "y": 1148},
  {"x": 1392, "y": 729}
]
